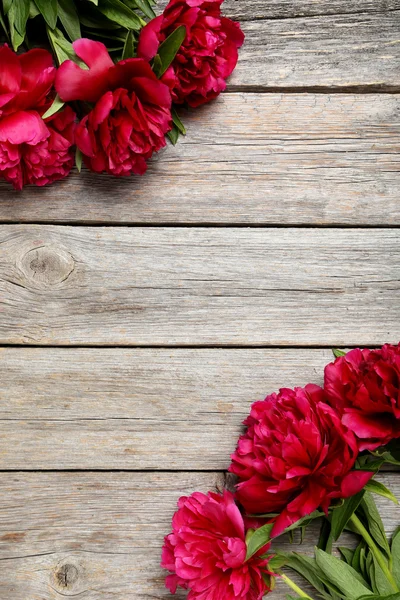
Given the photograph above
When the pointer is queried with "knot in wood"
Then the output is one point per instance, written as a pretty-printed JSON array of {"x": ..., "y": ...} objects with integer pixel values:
[
  {"x": 68, "y": 577},
  {"x": 47, "y": 266}
]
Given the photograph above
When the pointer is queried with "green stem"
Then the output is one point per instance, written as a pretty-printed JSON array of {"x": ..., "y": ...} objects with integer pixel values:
[
  {"x": 294, "y": 586},
  {"x": 380, "y": 559}
]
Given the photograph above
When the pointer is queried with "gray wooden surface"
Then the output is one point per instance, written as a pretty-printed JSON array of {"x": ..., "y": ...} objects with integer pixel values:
[
  {"x": 291, "y": 159},
  {"x": 139, "y": 319},
  {"x": 95, "y": 535}
]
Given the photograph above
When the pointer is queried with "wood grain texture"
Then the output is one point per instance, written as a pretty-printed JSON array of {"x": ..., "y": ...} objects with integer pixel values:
[
  {"x": 247, "y": 10},
  {"x": 336, "y": 51},
  {"x": 136, "y": 409},
  {"x": 100, "y": 535},
  {"x": 178, "y": 286},
  {"x": 317, "y": 44},
  {"x": 248, "y": 158},
  {"x": 289, "y": 9}
]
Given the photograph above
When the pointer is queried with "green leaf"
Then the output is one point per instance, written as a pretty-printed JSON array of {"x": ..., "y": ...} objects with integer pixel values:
[
  {"x": 129, "y": 47},
  {"x": 378, "y": 488},
  {"x": 347, "y": 554},
  {"x": 173, "y": 135},
  {"x": 308, "y": 568},
  {"x": 276, "y": 562},
  {"x": 3, "y": 24},
  {"x": 18, "y": 14},
  {"x": 116, "y": 11},
  {"x": 142, "y": 5},
  {"x": 382, "y": 584},
  {"x": 157, "y": 65},
  {"x": 363, "y": 563},
  {"x": 78, "y": 160},
  {"x": 169, "y": 48},
  {"x": 325, "y": 537},
  {"x": 342, "y": 514},
  {"x": 48, "y": 9},
  {"x": 376, "y": 597},
  {"x": 69, "y": 19},
  {"x": 338, "y": 353},
  {"x": 356, "y": 561},
  {"x": 177, "y": 122},
  {"x": 342, "y": 575},
  {"x": 396, "y": 555},
  {"x": 259, "y": 538},
  {"x": 375, "y": 524},
  {"x": 33, "y": 10},
  {"x": 7, "y": 5},
  {"x": 63, "y": 48},
  {"x": 21, "y": 8},
  {"x": 54, "y": 108},
  {"x": 96, "y": 2}
]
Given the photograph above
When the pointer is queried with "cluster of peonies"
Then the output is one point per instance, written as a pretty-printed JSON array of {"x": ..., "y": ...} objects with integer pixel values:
[
  {"x": 298, "y": 455},
  {"x": 124, "y": 109}
]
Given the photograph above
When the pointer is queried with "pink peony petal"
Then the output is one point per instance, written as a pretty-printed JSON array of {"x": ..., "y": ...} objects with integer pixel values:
[
  {"x": 10, "y": 71},
  {"x": 75, "y": 83},
  {"x": 354, "y": 482},
  {"x": 23, "y": 128},
  {"x": 367, "y": 426},
  {"x": 149, "y": 39},
  {"x": 33, "y": 64},
  {"x": 94, "y": 54}
]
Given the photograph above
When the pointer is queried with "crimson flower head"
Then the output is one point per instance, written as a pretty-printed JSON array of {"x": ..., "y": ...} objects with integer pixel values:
[
  {"x": 131, "y": 112},
  {"x": 32, "y": 151},
  {"x": 295, "y": 457},
  {"x": 206, "y": 551},
  {"x": 208, "y": 54},
  {"x": 364, "y": 386}
]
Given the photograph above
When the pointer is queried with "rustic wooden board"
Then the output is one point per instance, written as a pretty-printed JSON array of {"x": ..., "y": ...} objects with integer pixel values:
[
  {"x": 179, "y": 286},
  {"x": 275, "y": 9},
  {"x": 247, "y": 10},
  {"x": 248, "y": 158},
  {"x": 337, "y": 51},
  {"x": 100, "y": 535},
  {"x": 136, "y": 409},
  {"x": 317, "y": 43}
]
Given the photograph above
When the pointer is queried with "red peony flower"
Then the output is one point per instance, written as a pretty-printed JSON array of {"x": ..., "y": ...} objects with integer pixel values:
[
  {"x": 206, "y": 551},
  {"x": 132, "y": 111},
  {"x": 32, "y": 150},
  {"x": 208, "y": 54},
  {"x": 295, "y": 457},
  {"x": 364, "y": 386}
]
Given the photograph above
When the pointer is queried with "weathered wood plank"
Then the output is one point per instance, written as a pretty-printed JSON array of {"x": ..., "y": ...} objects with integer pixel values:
[
  {"x": 248, "y": 158},
  {"x": 179, "y": 286},
  {"x": 136, "y": 409},
  {"x": 318, "y": 44},
  {"x": 100, "y": 535},
  {"x": 247, "y": 10},
  {"x": 275, "y": 9},
  {"x": 338, "y": 51}
]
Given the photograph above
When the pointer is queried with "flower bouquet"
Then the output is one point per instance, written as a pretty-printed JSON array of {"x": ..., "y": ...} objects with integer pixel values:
[
  {"x": 99, "y": 81},
  {"x": 308, "y": 455}
]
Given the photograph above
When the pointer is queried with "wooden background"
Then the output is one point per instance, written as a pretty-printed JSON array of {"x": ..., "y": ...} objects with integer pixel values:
[{"x": 140, "y": 318}]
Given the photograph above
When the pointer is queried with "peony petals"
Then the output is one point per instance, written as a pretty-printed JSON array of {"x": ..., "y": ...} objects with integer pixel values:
[
  {"x": 33, "y": 65},
  {"x": 206, "y": 554},
  {"x": 149, "y": 39},
  {"x": 152, "y": 92},
  {"x": 10, "y": 71},
  {"x": 365, "y": 426},
  {"x": 354, "y": 482},
  {"x": 75, "y": 83},
  {"x": 94, "y": 54},
  {"x": 23, "y": 128}
]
